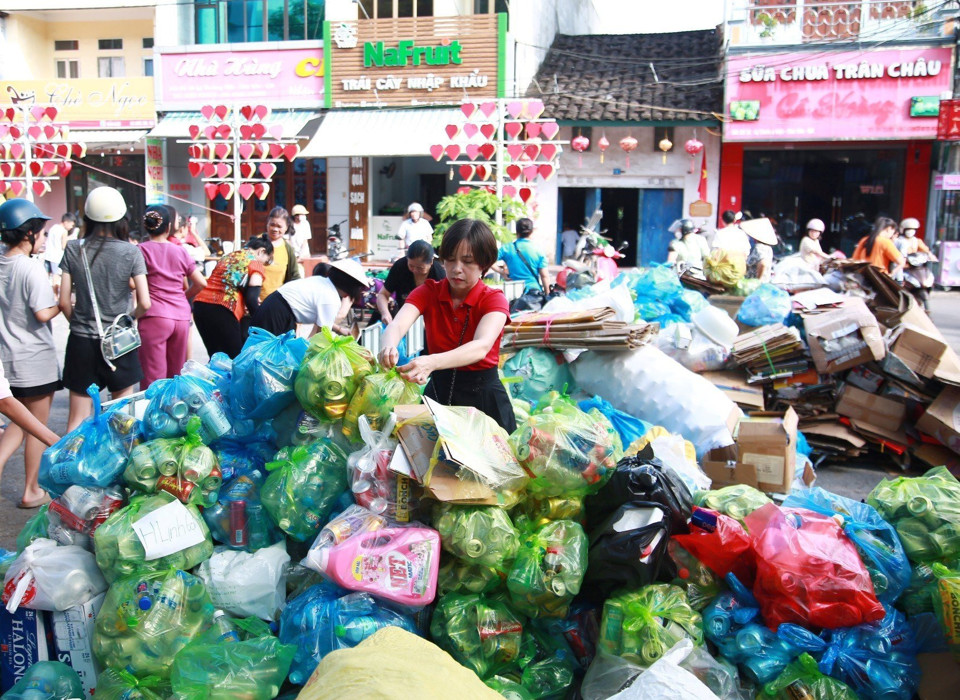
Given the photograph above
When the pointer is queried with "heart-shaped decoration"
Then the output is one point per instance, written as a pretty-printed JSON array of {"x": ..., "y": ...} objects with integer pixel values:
[
  {"x": 65, "y": 168},
  {"x": 246, "y": 132},
  {"x": 4, "y": 130},
  {"x": 468, "y": 108},
  {"x": 513, "y": 129},
  {"x": 261, "y": 112},
  {"x": 472, "y": 151},
  {"x": 533, "y": 130},
  {"x": 488, "y": 130},
  {"x": 245, "y": 190},
  {"x": 36, "y": 168},
  {"x": 276, "y": 131},
  {"x": 245, "y": 150},
  {"x": 19, "y": 169},
  {"x": 16, "y": 150},
  {"x": 453, "y": 150},
  {"x": 487, "y": 150},
  {"x": 225, "y": 190},
  {"x": 207, "y": 112},
  {"x": 275, "y": 149},
  {"x": 531, "y": 150},
  {"x": 466, "y": 172},
  {"x": 37, "y": 113},
  {"x": 549, "y": 129},
  {"x": 63, "y": 150},
  {"x": 209, "y": 169},
  {"x": 17, "y": 188},
  {"x": 79, "y": 150},
  {"x": 40, "y": 188},
  {"x": 210, "y": 132},
  {"x": 515, "y": 109},
  {"x": 258, "y": 130},
  {"x": 247, "y": 113},
  {"x": 247, "y": 169},
  {"x": 513, "y": 171},
  {"x": 534, "y": 108},
  {"x": 221, "y": 111},
  {"x": 488, "y": 108},
  {"x": 193, "y": 130},
  {"x": 223, "y": 131},
  {"x": 261, "y": 189},
  {"x": 514, "y": 150},
  {"x": 223, "y": 170},
  {"x": 483, "y": 172},
  {"x": 193, "y": 167},
  {"x": 509, "y": 191},
  {"x": 470, "y": 129},
  {"x": 51, "y": 113},
  {"x": 266, "y": 149},
  {"x": 436, "y": 150},
  {"x": 10, "y": 114},
  {"x": 3, "y": 186},
  {"x": 49, "y": 167},
  {"x": 221, "y": 150},
  {"x": 525, "y": 194},
  {"x": 548, "y": 150},
  {"x": 290, "y": 151},
  {"x": 193, "y": 151},
  {"x": 16, "y": 132},
  {"x": 34, "y": 131},
  {"x": 6, "y": 169},
  {"x": 530, "y": 173},
  {"x": 49, "y": 131},
  {"x": 267, "y": 170},
  {"x": 452, "y": 130},
  {"x": 210, "y": 189},
  {"x": 547, "y": 171}
]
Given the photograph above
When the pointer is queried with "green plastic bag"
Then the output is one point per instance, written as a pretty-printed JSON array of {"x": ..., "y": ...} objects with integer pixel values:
[
  {"x": 482, "y": 535},
  {"x": 641, "y": 626},
  {"x": 330, "y": 374},
  {"x": 802, "y": 679},
  {"x": 925, "y": 511},
  {"x": 302, "y": 487},
  {"x": 549, "y": 569},
  {"x": 694, "y": 577},
  {"x": 115, "y": 684},
  {"x": 120, "y": 552},
  {"x": 375, "y": 398},
  {"x": 35, "y": 528},
  {"x": 253, "y": 669},
  {"x": 481, "y": 633},
  {"x": 147, "y": 618},
  {"x": 736, "y": 501},
  {"x": 457, "y": 576},
  {"x": 47, "y": 680}
]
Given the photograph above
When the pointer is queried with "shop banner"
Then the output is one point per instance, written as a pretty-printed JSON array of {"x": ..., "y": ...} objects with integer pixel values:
[
  {"x": 948, "y": 125},
  {"x": 287, "y": 77},
  {"x": 90, "y": 103},
  {"x": 154, "y": 177},
  {"x": 843, "y": 95}
]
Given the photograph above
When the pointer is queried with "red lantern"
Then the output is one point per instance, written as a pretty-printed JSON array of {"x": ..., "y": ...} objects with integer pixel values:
[
  {"x": 628, "y": 143},
  {"x": 693, "y": 147},
  {"x": 603, "y": 144},
  {"x": 580, "y": 144}
]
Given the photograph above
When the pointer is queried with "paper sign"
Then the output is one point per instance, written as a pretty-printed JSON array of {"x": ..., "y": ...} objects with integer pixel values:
[{"x": 168, "y": 530}]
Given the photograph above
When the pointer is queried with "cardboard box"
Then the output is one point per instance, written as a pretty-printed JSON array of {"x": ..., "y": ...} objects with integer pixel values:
[
  {"x": 843, "y": 338},
  {"x": 764, "y": 454},
  {"x": 942, "y": 418},
  {"x": 23, "y": 642},
  {"x": 870, "y": 409},
  {"x": 919, "y": 351},
  {"x": 73, "y": 640},
  {"x": 734, "y": 385}
]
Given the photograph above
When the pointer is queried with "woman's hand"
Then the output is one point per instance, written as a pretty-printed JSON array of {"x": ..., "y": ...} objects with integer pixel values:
[
  {"x": 418, "y": 369},
  {"x": 389, "y": 357}
]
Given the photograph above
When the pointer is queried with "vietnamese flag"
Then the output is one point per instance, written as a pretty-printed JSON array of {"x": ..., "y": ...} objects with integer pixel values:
[{"x": 702, "y": 187}]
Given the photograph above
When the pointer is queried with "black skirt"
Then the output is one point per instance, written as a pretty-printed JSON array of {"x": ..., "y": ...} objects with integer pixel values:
[
  {"x": 478, "y": 388},
  {"x": 275, "y": 315}
]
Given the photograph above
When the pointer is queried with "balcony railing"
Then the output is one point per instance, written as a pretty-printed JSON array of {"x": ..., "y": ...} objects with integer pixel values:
[{"x": 758, "y": 22}]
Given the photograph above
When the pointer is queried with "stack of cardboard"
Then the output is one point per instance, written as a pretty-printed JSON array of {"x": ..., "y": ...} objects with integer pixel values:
[
  {"x": 591, "y": 329},
  {"x": 769, "y": 352}
]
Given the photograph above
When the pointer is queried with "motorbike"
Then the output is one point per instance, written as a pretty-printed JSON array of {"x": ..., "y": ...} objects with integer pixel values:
[
  {"x": 605, "y": 265},
  {"x": 918, "y": 278},
  {"x": 336, "y": 250}
]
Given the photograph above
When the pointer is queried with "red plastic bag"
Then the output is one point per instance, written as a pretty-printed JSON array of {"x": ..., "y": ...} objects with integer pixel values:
[
  {"x": 723, "y": 547},
  {"x": 808, "y": 571}
]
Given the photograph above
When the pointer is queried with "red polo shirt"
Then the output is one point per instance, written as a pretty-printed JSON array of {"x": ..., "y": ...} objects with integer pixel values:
[{"x": 443, "y": 324}]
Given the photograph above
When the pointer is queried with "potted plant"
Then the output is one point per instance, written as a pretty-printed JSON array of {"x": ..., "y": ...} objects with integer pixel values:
[{"x": 478, "y": 203}]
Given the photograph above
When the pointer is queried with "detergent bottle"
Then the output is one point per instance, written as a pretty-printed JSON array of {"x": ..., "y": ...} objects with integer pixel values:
[{"x": 398, "y": 564}]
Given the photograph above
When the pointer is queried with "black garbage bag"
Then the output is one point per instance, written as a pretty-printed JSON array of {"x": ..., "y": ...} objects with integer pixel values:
[{"x": 532, "y": 300}]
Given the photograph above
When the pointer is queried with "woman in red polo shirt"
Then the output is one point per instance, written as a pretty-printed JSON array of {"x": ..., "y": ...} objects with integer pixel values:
[{"x": 464, "y": 321}]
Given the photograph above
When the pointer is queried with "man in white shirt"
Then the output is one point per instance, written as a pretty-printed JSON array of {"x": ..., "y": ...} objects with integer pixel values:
[
  {"x": 731, "y": 237},
  {"x": 301, "y": 231},
  {"x": 415, "y": 227},
  {"x": 568, "y": 241}
]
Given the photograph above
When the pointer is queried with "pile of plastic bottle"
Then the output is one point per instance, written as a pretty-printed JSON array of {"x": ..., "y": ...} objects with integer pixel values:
[{"x": 238, "y": 545}]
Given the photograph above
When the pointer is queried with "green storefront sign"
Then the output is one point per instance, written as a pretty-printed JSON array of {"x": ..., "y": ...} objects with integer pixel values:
[{"x": 378, "y": 54}]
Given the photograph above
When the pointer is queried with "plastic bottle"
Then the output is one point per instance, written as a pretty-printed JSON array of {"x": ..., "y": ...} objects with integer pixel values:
[
  {"x": 353, "y": 520},
  {"x": 227, "y": 632},
  {"x": 398, "y": 564}
]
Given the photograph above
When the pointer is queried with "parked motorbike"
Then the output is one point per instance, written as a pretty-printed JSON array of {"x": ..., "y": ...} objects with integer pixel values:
[
  {"x": 336, "y": 250},
  {"x": 918, "y": 278},
  {"x": 606, "y": 261}
]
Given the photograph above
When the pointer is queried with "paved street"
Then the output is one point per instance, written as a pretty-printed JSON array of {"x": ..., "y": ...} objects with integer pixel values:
[{"x": 852, "y": 482}]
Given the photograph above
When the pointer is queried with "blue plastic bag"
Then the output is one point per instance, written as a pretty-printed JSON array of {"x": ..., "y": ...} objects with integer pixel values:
[
  {"x": 769, "y": 304},
  {"x": 658, "y": 282},
  {"x": 687, "y": 303},
  {"x": 875, "y": 539},
  {"x": 238, "y": 518},
  {"x": 627, "y": 426},
  {"x": 540, "y": 370},
  {"x": 174, "y": 401},
  {"x": 94, "y": 454},
  {"x": 264, "y": 372},
  {"x": 650, "y": 310}
]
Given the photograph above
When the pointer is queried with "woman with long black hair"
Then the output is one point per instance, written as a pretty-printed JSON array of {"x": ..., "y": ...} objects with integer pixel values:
[{"x": 878, "y": 248}]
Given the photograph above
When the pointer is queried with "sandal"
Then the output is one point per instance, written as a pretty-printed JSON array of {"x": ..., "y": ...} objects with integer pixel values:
[{"x": 35, "y": 504}]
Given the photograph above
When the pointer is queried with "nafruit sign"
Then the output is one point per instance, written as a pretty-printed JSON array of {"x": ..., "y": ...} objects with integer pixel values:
[{"x": 407, "y": 53}]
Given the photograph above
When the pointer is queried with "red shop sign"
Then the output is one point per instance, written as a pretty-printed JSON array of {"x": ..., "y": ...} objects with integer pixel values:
[{"x": 948, "y": 123}]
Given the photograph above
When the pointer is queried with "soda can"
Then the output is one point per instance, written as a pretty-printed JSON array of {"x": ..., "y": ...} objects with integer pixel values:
[
  {"x": 214, "y": 418},
  {"x": 144, "y": 467},
  {"x": 82, "y": 502},
  {"x": 176, "y": 487},
  {"x": 238, "y": 523},
  {"x": 123, "y": 423},
  {"x": 213, "y": 481},
  {"x": 197, "y": 463},
  {"x": 71, "y": 449}
]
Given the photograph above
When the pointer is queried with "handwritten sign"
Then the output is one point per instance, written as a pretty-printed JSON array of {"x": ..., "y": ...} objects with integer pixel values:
[{"x": 168, "y": 530}]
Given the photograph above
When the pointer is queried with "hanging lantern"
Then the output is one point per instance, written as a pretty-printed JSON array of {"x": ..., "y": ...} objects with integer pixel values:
[
  {"x": 628, "y": 143},
  {"x": 665, "y": 145},
  {"x": 580, "y": 144},
  {"x": 603, "y": 144},
  {"x": 693, "y": 147}
]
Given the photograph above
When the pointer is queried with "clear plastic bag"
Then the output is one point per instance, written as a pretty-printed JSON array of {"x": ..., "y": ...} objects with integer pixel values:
[
  {"x": 802, "y": 678},
  {"x": 172, "y": 402},
  {"x": 480, "y": 535},
  {"x": 247, "y": 584},
  {"x": 331, "y": 374},
  {"x": 737, "y": 500},
  {"x": 767, "y": 305},
  {"x": 114, "y": 684},
  {"x": 373, "y": 484},
  {"x": 549, "y": 568},
  {"x": 375, "y": 399},
  {"x": 264, "y": 372},
  {"x": 238, "y": 518},
  {"x": 48, "y": 576},
  {"x": 47, "y": 680},
  {"x": 481, "y": 633},
  {"x": 628, "y": 427}
]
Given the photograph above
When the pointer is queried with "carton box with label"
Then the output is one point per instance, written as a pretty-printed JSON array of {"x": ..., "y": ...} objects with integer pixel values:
[
  {"x": 882, "y": 414},
  {"x": 844, "y": 337},
  {"x": 23, "y": 642},
  {"x": 942, "y": 418},
  {"x": 73, "y": 640}
]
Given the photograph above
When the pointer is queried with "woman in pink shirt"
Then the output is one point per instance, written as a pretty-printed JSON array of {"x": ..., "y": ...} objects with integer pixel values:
[{"x": 165, "y": 328}]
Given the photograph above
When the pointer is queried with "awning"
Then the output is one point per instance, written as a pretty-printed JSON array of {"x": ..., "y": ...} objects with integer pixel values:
[
  {"x": 380, "y": 132},
  {"x": 175, "y": 125},
  {"x": 107, "y": 137}
]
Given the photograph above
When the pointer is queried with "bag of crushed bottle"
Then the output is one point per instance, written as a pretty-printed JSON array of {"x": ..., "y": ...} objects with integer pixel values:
[
  {"x": 549, "y": 568},
  {"x": 642, "y": 625},
  {"x": 736, "y": 501},
  {"x": 238, "y": 518},
  {"x": 946, "y": 604},
  {"x": 508, "y": 688},
  {"x": 331, "y": 373},
  {"x": 95, "y": 453},
  {"x": 237, "y": 457},
  {"x": 628, "y": 427},
  {"x": 74, "y": 517},
  {"x": 302, "y": 485},
  {"x": 477, "y": 535},
  {"x": 875, "y": 539},
  {"x": 264, "y": 373},
  {"x": 147, "y": 618},
  {"x": 540, "y": 370},
  {"x": 457, "y": 576},
  {"x": 877, "y": 660},
  {"x": 549, "y": 665},
  {"x": 375, "y": 398},
  {"x": 173, "y": 402},
  {"x": 693, "y": 576},
  {"x": 803, "y": 679},
  {"x": 925, "y": 510},
  {"x": 233, "y": 659},
  {"x": 120, "y": 551},
  {"x": 353, "y": 520},
  {"x": 117, "y": 684},
  {"x": 627, "y": 549},
  {"x": 720, "y": 542},
  {"x": 808, "y": 571},
  {"x": 568, "y": 452},
  {"x": 34, "y": 529},
  {"x": 480, "y": 632},
  {"x": 48, "y": 576},
  {"x": 47, "y": 680},
  {"x": 373, "y": 484},
  {"x": 247, "y": 584},
  {"x": 767, "y": 305}
]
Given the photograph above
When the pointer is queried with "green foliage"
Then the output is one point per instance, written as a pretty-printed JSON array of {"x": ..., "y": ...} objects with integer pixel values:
[{"x": 480, "y": 204}]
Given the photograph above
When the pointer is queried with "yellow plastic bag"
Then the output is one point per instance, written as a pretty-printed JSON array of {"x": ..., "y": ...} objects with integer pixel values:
[
  {"x": 725, "y": 268},
  {"x": 375, "y": 398}
]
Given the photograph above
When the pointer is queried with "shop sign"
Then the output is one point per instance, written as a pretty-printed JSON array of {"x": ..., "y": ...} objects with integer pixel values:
[
  {"x": 948, "y": 122},
  {"x": 947, "y": 182},
  {"x": 848, "y": 95},
  {"x": 357, "y": 194},
  {"x": 90, "y": 103},
  {"x": 700, "y": 208},
  {"x": 418, "y": 61},
  {"x": 287, "y": 77},
  {"x": 154, "y": 175}
]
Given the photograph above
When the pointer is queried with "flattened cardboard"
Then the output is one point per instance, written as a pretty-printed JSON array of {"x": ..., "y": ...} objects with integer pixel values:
[
  {"x": 879, "y": 411},
  {"x": 844, "y": 337},
  {"x": 734, "y": 385},
  {"x": 948, "y": 370},
  {"x": 919, "y": 351},
  {"x": 942, "y": 418}
]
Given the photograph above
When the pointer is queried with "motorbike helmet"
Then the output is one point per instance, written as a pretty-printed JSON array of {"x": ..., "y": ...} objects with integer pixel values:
[
  {"x": 415, "y": 207},
  {"x": 909, "y": 224},
  {"x": 816, "y": 225},
  {"x": 105, "y": 205},
  {"x": 16, "y": 212},
  {"x": 687, "y": 226}
]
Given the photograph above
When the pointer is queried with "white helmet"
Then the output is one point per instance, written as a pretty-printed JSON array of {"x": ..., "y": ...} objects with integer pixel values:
[
  {"x": 816, "y": 225},
  {"x": 352, "y": 268},
  {"x": 415, "y": 207},
  {"x": 105, "y": 205},
  {"x": 910, "y": 223}
]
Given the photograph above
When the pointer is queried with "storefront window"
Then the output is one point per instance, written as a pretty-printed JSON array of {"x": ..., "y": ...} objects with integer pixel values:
[
  {"x": 280, "y": 187},
  {"x": 319, "y": 184},
  {"x": 240, "y": 21}
]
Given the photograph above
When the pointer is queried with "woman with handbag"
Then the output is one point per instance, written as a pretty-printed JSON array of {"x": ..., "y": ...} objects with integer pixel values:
[
  {"x": 98, "y": 269},
  {"x": 27, "y": 305}
]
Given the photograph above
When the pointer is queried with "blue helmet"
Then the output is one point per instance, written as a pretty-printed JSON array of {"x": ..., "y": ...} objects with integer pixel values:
[{"x": 16, "y": 212}]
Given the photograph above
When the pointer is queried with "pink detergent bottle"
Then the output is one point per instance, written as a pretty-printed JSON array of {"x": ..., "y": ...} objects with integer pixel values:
[{"x": 398, "y": 564}]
